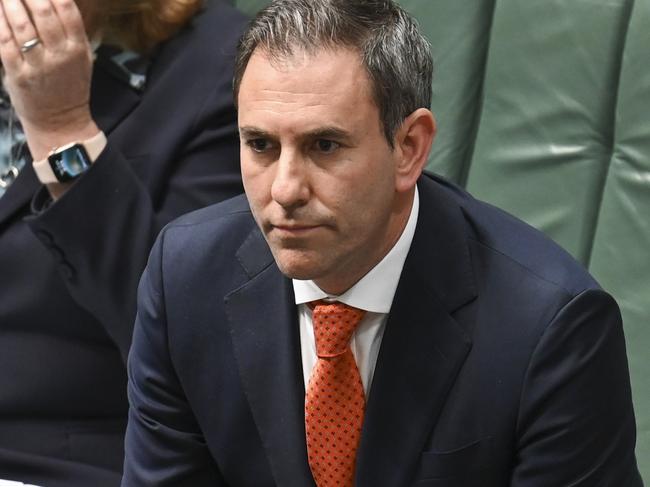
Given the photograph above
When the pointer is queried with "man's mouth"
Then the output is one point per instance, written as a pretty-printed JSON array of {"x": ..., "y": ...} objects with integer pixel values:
[{"x": 294, "y": 228}]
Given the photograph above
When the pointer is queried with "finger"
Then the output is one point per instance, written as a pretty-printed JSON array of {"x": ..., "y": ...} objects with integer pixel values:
[
  {"x": 9, "y": 50},
  {"x": 71, "y": 20},
  {"x": 18, "y": 19},
  {"x": 46, "y": 21}
]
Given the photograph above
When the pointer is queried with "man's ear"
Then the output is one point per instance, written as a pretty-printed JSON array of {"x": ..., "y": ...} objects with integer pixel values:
[{"x": 412, "y": 146}]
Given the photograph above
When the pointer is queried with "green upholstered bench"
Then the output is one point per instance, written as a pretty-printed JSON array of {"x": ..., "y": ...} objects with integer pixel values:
[{"x": 544, "y": 110}]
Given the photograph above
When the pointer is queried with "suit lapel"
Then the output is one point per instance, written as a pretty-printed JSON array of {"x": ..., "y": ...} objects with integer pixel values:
[
  {"x": 423, "y": 347},
  {"x": 111, "y": 99},
  {"x": 265, "y": 335}
]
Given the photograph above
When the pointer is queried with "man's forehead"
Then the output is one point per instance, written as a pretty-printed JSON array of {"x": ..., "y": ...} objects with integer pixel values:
[
  {"x": 307, "y": 92},
  {"x": 321, "y": 70}
]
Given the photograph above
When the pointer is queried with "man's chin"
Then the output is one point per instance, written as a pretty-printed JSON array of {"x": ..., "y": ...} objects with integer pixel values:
[
  {"x": 298, "y": 264},
  {"x": 321, "y": 268}
]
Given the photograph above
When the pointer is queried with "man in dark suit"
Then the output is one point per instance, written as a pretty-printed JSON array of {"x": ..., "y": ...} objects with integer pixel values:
[
  {"x": 69, "y": 269},
  {"x": 480, "y": 353}
]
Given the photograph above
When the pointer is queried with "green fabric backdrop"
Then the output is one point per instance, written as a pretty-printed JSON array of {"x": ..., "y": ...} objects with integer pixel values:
[{"x": 544, "y": 110}]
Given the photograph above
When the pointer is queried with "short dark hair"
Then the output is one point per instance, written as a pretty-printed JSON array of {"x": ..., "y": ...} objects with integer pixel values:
[{"x": 395, "y": 54}]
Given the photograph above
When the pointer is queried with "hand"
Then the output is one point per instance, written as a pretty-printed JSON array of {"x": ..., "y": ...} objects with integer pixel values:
[{"x": 49, "y": 83}]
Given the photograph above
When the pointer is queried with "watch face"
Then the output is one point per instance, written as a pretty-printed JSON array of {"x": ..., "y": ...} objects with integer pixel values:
[{"x": 70, "y": 162}]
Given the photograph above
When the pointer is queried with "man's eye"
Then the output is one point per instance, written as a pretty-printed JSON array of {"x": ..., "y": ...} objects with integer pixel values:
[
  {"x": 259, "y": 145},
  {"x": 326, "y": 146}
]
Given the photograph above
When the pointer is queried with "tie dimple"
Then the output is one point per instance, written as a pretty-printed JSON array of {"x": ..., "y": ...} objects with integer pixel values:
[
  {"x": 335, "y": 402},
  {"x": 334, "y": 324}
]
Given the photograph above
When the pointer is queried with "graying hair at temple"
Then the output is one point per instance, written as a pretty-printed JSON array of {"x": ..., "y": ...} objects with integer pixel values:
[{"x": 396, "y": 56}]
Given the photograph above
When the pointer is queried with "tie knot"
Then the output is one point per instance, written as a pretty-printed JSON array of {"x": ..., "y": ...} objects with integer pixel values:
[{"x": 334, "y": 324}]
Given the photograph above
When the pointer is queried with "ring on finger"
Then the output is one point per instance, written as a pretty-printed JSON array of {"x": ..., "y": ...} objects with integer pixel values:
[{"x": 30, "y": 44}]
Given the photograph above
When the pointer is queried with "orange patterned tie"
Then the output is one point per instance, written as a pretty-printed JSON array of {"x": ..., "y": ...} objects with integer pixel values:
[{"x": 335, "y": 402}]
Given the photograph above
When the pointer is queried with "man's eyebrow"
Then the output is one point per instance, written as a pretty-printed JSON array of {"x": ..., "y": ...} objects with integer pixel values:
[
  {"x": 253, "y": 133},
  {"x": 319, "y": 133},
  {"x": 328, "y": 133}
]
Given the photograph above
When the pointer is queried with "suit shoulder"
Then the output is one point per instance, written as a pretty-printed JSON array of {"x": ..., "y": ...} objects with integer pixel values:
[
  {"x": 206, "y": 243},
  {"x": 507, "y": 239},
  {"x": 229, "y": 210},
  {"x": 224, "y": 225}
]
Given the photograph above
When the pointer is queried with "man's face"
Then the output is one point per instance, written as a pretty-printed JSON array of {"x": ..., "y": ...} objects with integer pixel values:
[{"x": 317, "y": 169}]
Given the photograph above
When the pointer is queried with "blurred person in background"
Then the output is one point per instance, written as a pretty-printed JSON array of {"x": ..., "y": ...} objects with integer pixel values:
[{"x": 116, "y": 116}]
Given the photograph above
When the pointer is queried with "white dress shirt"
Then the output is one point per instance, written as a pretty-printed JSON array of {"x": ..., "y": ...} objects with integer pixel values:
[{"x": 373, "y": 293}]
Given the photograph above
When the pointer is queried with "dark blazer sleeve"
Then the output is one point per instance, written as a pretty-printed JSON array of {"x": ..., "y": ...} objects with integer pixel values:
[
  {"x": 164, "y": 445},
  {"x": 182, "y": 147},
  {"x": 576, "y": 422}
]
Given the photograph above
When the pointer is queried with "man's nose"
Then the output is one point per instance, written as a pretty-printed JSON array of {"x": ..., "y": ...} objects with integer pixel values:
[{"x": 291, "y": 183}]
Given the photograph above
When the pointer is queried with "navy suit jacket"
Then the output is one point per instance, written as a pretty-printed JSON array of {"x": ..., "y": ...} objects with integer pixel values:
[
  {"x": 502, "y": 364},
  {"x": 69, "y": 274}
]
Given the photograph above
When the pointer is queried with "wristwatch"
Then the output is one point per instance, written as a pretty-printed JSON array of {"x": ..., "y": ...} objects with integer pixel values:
[{"x": 70, "y": 161}]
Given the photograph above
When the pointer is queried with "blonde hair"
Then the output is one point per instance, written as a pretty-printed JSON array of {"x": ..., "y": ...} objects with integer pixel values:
[{"x": 140, "y": 25}]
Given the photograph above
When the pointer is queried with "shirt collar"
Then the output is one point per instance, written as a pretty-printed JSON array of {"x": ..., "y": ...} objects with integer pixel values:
[
  {"x": 374, "y": 292},
  {"x": 128, "y": 66}
]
